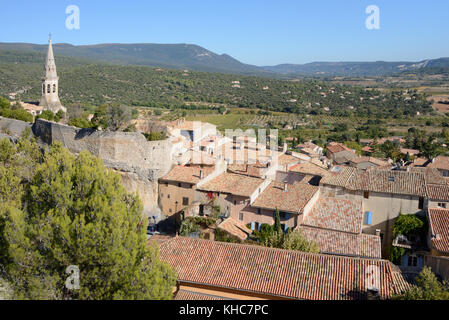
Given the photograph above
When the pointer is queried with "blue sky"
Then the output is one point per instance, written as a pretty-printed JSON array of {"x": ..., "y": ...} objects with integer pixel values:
[{"x": 256, "y": 32}]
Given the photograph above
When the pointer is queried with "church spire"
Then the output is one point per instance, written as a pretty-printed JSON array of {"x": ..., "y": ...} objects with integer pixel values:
[
  {"x": 50, "y": 85},
  {"x": 50, "y": 65}
]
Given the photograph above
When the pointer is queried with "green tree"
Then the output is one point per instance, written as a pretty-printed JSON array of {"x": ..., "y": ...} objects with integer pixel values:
[
  {"x": 277, "y": 222},
  {"x": 296, "y": 241},
  {"x": 76, "y": 212},
  {"x": 427, "y": 287}
]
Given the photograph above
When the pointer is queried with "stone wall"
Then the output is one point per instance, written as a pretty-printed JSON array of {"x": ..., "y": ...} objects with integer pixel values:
[
  {"x": 140, "y": 162},
  {"x": 12, "y": 127}
]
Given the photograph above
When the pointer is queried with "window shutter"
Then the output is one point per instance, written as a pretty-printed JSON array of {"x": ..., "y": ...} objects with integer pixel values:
[
  {"x": 286, "y": 228},
  {"x": 260, "y": 226},
  {"x": 287, "y": 215},
  {"x": 368, "y": 217},
  {"x": 253, "y": 225}
]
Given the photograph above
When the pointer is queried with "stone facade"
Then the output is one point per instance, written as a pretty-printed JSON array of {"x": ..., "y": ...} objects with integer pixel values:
[{"x": 140, "y": 162}]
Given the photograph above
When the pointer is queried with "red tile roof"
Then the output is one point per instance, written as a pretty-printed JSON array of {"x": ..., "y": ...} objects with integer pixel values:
[
  {"x": 183, "y": 294},
  {"x": 335, "y": 147},
  {"x": 440, "y": 162},
  {"x": 235, "y": 227},
  {"x": 309, "y": 168},
  {"x": 293, "y": 200},
  {"x": 336, "y": 214},
  {"x": 439, "y": 228},
  {"x": 383, "y": 181},
  {"x": 187, "y": 174},
  {"x": 277, "y": 272},
  {"x": 343, "y": 243},
  {"x": 438, "y": 192},
  {"x": 232, "y": 183}
]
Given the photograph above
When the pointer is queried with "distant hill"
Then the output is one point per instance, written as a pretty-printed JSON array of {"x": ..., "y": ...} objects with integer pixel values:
[
  {"x": 378, "y": 68},
  {"x": 177, "y": 56},
  {"x": 193, "y": 57}
]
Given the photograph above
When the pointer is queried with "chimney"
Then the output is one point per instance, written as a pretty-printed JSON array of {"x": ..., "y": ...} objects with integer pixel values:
[
  {"x": 378, "y": 232},
  {"x": 285, "y": 186},
  {"x": 201, "y": 174}
]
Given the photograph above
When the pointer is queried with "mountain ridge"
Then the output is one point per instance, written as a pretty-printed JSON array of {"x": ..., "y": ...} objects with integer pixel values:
[{"x": 195, "y": 57}]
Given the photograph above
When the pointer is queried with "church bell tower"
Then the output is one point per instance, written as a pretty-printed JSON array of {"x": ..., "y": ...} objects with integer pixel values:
[{"x": 50, "y": 99}]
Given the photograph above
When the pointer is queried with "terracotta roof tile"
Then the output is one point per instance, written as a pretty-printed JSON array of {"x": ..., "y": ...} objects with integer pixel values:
[
  {"x": 439, "y": 228},
  {"x": 277, "y": 272},
  {"x": 187, "y": 174},
  {"x": 438, "y": 192},
  {"x": 309, "y": 168},
  {"x": 343, "y": 243},
  {"x": 233, "y": 183},
  {"x": 336, "y": 214},
  {"x": 293, "y": 200},
  {"x": 191, "y": 295},
  {"x": 440, "y": 162},
  {"x": 235, "y": 228}
]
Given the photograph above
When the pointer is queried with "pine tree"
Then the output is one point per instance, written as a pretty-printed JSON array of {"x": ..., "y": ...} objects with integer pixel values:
[{"x": 76, "y": 212}]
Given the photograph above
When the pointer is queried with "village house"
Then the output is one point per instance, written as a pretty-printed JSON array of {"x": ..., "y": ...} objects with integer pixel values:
[
  {"x": 368, "y": 162},
  {"x": 339, "y": 153},
  {"x": 177, "y": 188},
  {"x": 385, "y": 193},
  {"x": 256, "y": 272},
  {"x": 442, "y": 164}
]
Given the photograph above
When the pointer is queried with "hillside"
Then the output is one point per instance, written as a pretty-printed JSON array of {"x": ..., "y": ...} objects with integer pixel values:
[
  {"x": 193, "y": 57},
  {"x": 85, "y": 82}
]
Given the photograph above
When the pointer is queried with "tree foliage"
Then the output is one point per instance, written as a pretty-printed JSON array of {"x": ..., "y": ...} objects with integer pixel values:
[
  {"x": 65, "y": 210},
  {"x": 427, "y": 287}
]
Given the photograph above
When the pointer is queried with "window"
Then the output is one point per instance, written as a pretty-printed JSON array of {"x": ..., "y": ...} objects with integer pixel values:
[
  {"x": 241, "y": 216},
  {"x": 54, "y": 88},
  {"x": 168, "y": 196},
  {"x": 442, "y": 205},
  {"x": 235, "y": 202},
  {"x": 48, "y": 88},
  {"x": 412, "y": 261},
  {"x": 367, "y": 219},
  {"x": 185, "y": 201},
  {"x": 169, "y": 210},
  {"x": 179, "y": 185},
  {"x": 366, "y": 194},
  {"x": 445, "y": 173},
  {"x": 43, "y": 88},
  {"x": 421, "y": 203},
  {"x": 259, "y": 211}
]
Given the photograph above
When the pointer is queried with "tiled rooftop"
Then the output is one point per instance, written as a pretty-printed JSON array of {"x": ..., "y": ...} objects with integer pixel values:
[
  {"x": 383, "y": 181},
  {"x": 293, "y": 200},
  {"x": 373, "y": 160},
  {"x": 277, "y": 272},
  {"x": 336, "y": 214},
  {"x": 440, "y": 162},
  {"x": 309, "y": 168},
  {"x": 186, "y": 174},
  {"x": 343, "y": 243},
  {"x": 233, "y": 183},
  {"x": 438, "y": 192},
  {"x": 439, "y": 228},
  {"x": 235, "y": 228},
  {"x": 335, "y": 147},
  {"x": 191, "y": 295}
]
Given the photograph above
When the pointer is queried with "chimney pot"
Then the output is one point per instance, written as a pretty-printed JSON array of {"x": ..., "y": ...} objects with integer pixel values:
[
  {"x": 378, "y": 232},
  {"x": 285, "y": 185}
]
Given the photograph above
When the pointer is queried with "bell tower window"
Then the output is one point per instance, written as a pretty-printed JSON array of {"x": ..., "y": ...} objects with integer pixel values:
[
  {"x": 43, "y": 88},
  {"x": 48, "y": 89},
  {"x": 54, "y": 88}
]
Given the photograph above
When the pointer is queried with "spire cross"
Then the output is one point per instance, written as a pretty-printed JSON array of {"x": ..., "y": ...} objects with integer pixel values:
[{"x": 49, "y": 36}]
